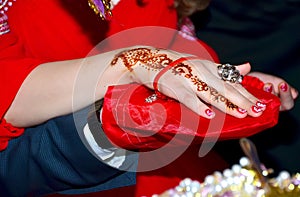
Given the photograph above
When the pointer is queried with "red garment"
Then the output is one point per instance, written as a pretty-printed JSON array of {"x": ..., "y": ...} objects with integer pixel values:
[
  {"x": 133, "y": 124},
  {"x": 51, "y": 30}
]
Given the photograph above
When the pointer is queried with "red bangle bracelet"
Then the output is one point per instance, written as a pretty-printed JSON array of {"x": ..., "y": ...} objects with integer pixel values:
[{"x": 164, "y": 70}]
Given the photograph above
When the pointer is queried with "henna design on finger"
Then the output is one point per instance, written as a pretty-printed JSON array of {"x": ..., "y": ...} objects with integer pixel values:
[
  {"x": 186, "y": 71},
  {"x": 152, "y": 60},
  {"x": 216, "y": 96},
  {"x": 148, "y": 58}
]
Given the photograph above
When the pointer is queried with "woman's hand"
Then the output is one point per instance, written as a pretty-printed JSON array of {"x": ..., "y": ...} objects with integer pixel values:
[
  {"x": 58, "y": 88},
  {"x": 278, "y": 87},
  {"x": 195, "y": 83}
]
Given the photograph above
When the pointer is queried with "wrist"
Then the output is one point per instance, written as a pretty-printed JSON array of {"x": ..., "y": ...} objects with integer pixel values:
[{"x": 142, "y": 63}]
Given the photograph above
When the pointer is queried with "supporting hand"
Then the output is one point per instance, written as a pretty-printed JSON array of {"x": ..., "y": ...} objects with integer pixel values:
[{"x": 279, "y": 87}]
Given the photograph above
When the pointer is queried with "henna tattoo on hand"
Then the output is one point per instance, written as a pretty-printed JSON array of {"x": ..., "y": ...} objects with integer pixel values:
[
  {"x": 148, "y": 58},
  {"x": 186, "y": 71},
  {"x": 216, "y": 96},
  {"x": 152, "y": 60}
]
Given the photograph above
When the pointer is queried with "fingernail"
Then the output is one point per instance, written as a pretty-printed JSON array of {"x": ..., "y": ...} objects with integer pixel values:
[
  {"x": 242, "y": 111},
  {"x": 283, "y": 87},
  {"x": 209, "y": 112},
  {"x": 268, "y": 88},
  {"x": 261, "y": 105},
  {"x": 256, "y": 109}
]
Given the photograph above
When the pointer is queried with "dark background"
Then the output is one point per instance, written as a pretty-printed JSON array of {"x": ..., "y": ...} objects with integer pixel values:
[{"x": 266, "y": 34}]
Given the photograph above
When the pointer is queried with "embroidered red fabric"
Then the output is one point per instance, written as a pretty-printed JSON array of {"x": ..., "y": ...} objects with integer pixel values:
[
  {"x": 41, "y": 36},
  {"x": 131, "y": 123}
]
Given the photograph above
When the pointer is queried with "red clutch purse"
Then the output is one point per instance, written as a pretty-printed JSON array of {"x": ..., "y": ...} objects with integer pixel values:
[{"x": 131, "y": 123}]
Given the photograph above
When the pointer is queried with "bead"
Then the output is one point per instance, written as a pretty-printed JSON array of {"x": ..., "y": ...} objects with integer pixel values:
[
  {"x": 227, "y": 173},
  {"x": 4, "y": 27},
  {"x": 224, "y": 183},
  {"x": 244, "y": 161},
  {"x": 209, "y": 179},
  {"x": 284, "y": 175},
  {"x": 236, "y": 169},
  {"x": 103, "y": 8},
  {"x": 3, "y": 5},
  {"x": 238, "y": 181}
]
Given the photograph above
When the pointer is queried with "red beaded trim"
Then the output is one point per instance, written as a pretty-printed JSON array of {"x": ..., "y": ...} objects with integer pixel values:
[
  {"x": 5, "y": 5},
  {"x": 4, "y": 27}
]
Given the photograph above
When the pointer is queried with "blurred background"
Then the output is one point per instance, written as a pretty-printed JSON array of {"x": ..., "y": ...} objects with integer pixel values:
[{"x": 266, "y": 34}]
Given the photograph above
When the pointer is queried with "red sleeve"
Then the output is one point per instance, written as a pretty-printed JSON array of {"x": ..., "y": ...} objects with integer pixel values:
[
  {"x": 54, "y": 30},
  {"x": 128, "y": 14},
  {"x": 14, "y": 69},
  {"x": 37, "y": 35}
]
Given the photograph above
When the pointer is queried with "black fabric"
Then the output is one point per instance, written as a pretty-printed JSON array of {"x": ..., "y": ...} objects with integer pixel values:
[
  {"x": 52, "y": 158},
  {"x": 266, "y": 34}
]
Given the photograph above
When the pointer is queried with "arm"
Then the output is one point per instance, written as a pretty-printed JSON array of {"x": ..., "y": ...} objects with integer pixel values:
[
  {"x": 59, "y": 88},
  {"x": 49, "y": 89},
  {"x": 46, "y": 160}
]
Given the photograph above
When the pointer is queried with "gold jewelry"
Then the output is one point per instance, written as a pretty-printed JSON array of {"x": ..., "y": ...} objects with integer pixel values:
[{"x": 101, "y": 8}]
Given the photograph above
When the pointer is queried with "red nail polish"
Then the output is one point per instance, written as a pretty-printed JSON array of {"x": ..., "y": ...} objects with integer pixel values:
[
  {"x": 261, "y": 105},
  {"x": 209, "y": 112},
  {"x": 242, "y": 111},
  {"x": 268, "y": 88},
  {"x": 256, "y": 109},
  {"x": 284, "y": 87}
]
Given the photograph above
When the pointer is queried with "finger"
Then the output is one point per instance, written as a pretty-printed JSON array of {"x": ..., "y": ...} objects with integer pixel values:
[
  {"x": 233, "y": 87},
  {"x": 244, "y": 68},
  {"x": 186, "y": 95},
  {"x": 225, "y": 105},
  {"x": 229, "y": 101},
  {"x": 240, "y": 90},
  {"x": 243, "y": 99},
  {"x": 223, "y": 94},
  {"x": 191, "y": 101},
  {"x": 268, "y": 87},
  {"x": 183, "y": 93},
  {"x": 287, "y": 101},
  {"x": 205, "y": 73}
]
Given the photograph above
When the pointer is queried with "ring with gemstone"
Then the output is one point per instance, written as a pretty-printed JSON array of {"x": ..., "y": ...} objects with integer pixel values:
[{"x": 228, "y": 72}]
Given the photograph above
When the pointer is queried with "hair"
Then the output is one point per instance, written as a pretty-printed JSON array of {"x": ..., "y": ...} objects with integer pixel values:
[{"x": 184, "y": 8}]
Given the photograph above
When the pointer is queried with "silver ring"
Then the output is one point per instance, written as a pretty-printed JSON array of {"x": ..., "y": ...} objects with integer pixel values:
[{"x": 228, "y": 72}]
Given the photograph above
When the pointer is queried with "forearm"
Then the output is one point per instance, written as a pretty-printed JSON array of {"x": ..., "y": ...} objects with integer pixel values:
[{"x": 58, "y": 88}]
